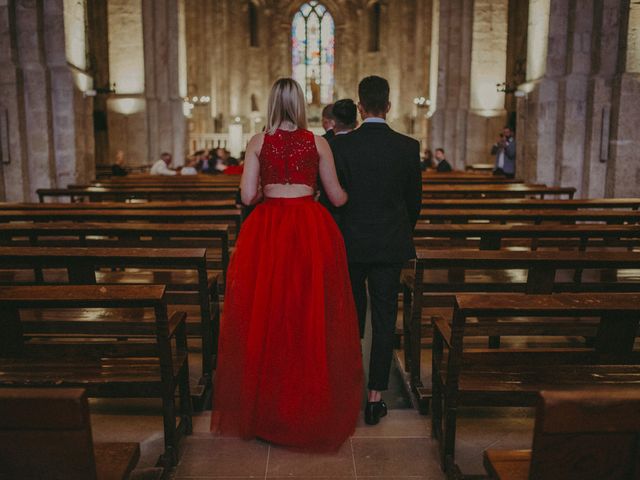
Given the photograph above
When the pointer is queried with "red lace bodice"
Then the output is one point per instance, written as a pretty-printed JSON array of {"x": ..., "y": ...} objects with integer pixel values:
[{"x": 289, "y": 157}]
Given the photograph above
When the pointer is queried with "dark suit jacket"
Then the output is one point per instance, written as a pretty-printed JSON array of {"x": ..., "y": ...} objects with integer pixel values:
[
  {"x": 380, "y": 170},
  {"x": 444, "y": 166},
  {"x": 329, "y": 134}
]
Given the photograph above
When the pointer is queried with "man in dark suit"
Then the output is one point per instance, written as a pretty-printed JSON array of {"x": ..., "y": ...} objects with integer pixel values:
[
  {"x": 380, "y": 169},
  {"x": 328, "y": 122},
  {"x": 442, "y": 166},
  {"x": 345, "y": 113}
]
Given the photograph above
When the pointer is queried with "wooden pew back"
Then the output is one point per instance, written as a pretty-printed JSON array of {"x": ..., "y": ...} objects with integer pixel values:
[
  {"x": 74, "y": 351},
  {"x": 581, "y": 434},
  {"x": 466, "y": 375},
  {"x": 45, "y": 433},
  {"x": 587, "y": 435}
]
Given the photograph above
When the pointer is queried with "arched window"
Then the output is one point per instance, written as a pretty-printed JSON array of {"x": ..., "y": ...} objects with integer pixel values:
[{"x": 313, "y": 48}]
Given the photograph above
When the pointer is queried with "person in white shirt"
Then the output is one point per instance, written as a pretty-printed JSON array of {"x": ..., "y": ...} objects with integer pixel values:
[
  {"x": 161, "y": 167},
  {"x": 189, "y": 168}
]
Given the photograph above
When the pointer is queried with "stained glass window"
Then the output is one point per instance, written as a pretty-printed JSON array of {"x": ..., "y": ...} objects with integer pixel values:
[{"x": 313, "y": 48}]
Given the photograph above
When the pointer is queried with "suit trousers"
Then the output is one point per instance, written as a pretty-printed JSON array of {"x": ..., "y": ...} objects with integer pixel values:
[{"x": 382, "y": 280}]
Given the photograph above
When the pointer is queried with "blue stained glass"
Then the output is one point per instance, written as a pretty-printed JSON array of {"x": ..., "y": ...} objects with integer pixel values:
[
  {"x": 305, "y": 9},
  {"x": 313, "y": 51}
]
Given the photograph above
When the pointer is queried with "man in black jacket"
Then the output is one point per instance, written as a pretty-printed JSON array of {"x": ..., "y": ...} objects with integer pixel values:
[{"x": 380, "y": 169}]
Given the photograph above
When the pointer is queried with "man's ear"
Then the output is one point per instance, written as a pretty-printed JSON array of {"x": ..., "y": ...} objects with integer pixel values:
[
  {"x": 361, "y": 110},
  {"x": 388, "y": 107}
]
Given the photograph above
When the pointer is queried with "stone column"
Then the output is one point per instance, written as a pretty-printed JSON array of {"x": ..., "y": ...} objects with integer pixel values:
[
  {"x": 127, "y": 116},
  {"x": 200, "y": 62},
  {"x": 574, "y": 69},
  {"x": 572, "y": 95},
  {"x": 44, "y": 116},
  {"x": 609, "y": 17},
  {"x": 165, "y": 119},
  {"x": 65, "y": 24},
  {"x": 14, "y": 167},
  {"x": 623, "y": 173},
  {"x": 487, "y": 114},
  {"x": 98, "y": 32},
  {"x": 38, "y": 122},
  {"x": 449, "y": 122}
]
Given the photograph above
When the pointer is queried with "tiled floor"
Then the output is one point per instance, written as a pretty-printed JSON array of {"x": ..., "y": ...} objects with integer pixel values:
[{"x": 400, "y": 447}]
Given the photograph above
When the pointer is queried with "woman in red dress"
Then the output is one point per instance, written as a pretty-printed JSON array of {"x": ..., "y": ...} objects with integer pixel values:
[{"x": 289, "y": 367}]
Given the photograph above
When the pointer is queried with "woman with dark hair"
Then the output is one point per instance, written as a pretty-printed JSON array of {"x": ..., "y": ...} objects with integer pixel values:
[{"x": 289, "y": 368}]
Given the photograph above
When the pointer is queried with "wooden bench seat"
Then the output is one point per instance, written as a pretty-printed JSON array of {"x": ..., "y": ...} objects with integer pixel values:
[
  {"x": 86, "y": 266},
  {"x": 151, "y": 364},
  {"x": 46, "y": 434},
  {"x": 157, "y": 235},
  {"x": 581, "y": 434},
  {"x": 231, "y": 217},
  {"x": 499, "y": 191},
  {"x": 494, "y": 236},
  {"x": 534, "y": 216},
  {"x": 168, "y": 205},
  {"x": 505, "y": 376},
  {"x": 165, "y": 193},
  {"x": 443, "y": 274},
  {"x": 531, "y": 203}
]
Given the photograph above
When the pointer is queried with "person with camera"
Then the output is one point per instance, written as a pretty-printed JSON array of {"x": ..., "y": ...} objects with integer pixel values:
[{"x": 505, "y": 151}]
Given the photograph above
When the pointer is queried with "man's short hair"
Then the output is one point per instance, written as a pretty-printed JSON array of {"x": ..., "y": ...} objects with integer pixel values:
[
  {"x": 327, "y": 112},
  {"x": 165, "y": 155},
  {"x": 373, "y": 93},
  {"x": 345, "y": 113},
  {"x": 440, "y": 150}
]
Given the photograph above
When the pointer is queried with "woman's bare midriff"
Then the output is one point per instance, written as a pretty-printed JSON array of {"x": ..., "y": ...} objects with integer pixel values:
[{"x": 289, "y": 190}]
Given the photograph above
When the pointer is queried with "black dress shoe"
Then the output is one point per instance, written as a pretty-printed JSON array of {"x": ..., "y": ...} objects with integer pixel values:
[{"x": 374, "y": 411}]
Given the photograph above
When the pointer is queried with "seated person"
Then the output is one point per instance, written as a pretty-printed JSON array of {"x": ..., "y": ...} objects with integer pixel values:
[
  {"x": 118, "y": 169},
  {"x": 427, "y": 161},
  {"x": 224, "y": 160},
  {"x": 190, "y": 166},
  {"x": 161, "y": 167},
  {"x": 442, "y": 165}
]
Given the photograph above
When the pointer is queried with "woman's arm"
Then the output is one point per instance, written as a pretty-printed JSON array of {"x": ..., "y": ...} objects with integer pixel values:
[
  {"x": 335, "y": 192},
  {"x": 250, "y": 192}
]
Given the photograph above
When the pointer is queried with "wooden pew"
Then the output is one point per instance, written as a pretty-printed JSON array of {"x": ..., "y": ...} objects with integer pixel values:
[
  {"x": 156, "y": 235},
  {"x": 502, "y": 271},
  {"x": 142, "y": 179},
  {"x": 535, "y": 216},
  {"x": 45, "y": 433},
  {"x": 531, "y": 203},
  {"x": 508, "y": 191},
  {"x": 91, "y": 355},
  {"x": 183, "y": 271},
  {"x": 230, "y": 217},
  {"x": 460, "y": 178},
  {"x": 480, "y": 167},
  {"x": 514, "y": 376},
  {"x": 175, "y": 205},
  {"x": 493, "y": 236},
  {"x": 582, "y": 434},
  {"x": 94, "y": 194}
]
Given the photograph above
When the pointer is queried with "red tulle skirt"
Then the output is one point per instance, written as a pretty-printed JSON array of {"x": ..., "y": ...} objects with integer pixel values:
[{"x": 289, "y": 368}]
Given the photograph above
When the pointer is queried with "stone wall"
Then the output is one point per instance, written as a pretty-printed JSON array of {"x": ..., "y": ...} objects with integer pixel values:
[
  {"x": 46, "y": 118},
  {"x": 234, "y": 71},
  {"x": 575, "y": 122},
  {"x": 577, "y": 109}
]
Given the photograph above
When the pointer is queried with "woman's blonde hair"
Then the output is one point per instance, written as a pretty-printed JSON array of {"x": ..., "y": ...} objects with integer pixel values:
[{"x": 286, "y": 103}]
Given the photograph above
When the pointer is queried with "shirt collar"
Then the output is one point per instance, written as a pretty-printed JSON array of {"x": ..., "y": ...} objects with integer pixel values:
[
  {"x": 374, "y": 120},
  {"x": 344, "y": 132}
]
